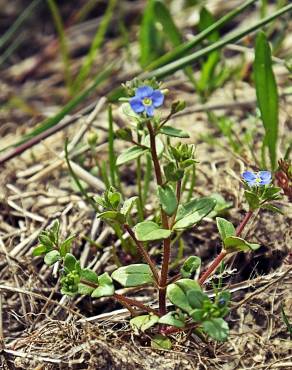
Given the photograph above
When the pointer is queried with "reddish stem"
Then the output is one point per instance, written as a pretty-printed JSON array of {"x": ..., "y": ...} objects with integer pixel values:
[
  {"x": 164, "y": 219},
  {"x": 172, "y": 330},
  {"x": 243, "y": 223},
  {"x": 123, "y": 300},
  {"x": 143, "y": 252},
  {"x": 223, "y": 253},
  {"x": 132, "y": 302},
  {"x": 164, "y": 276},
  {"x": 212, "y": 267}
]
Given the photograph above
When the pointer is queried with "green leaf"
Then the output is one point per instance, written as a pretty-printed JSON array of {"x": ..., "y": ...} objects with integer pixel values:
[
  {"x": 174, "y": 132},
  {"x": 124, "y": 134},
  {"x": 184, "y": 61},
  {"x": 143, "y": 322},
  {"x": 199, "y": 314},
  {"x": 234, "y": 243},
  {"x": 159, "y": 341},
  {"x": 221, "y": 205},
  {"x": 271, "y": 207},
  {"x": 167, "y": 199},
  {"x": 172, "y": 173},
  {"x": 149, "y": 37},
  {"x": 225, "y": 228},
  {"x": 66, "y": 245},
  {"x": 84, "y": 289},
  {"x": 197, "y": 298},
  {"x": 89, "y": 275},
  {"x": 52, "y": 257},
  {"x": 164, "y": 17},
  {"x": 216, "y": 328},
  {"x": 159, "y": 144},
  {"x": 45, "y": 240},
  {"x": 130, "y": 154},
  {"x": 70, "y": 262},
  {"x": 112, "y": 216},
  {"x": 54, "y": 228},
  {"x": 105, "y": 287},
  {"x": 172, "y": 319},
  {"x": 191, "y": 213},
  {"x": 133, "y": 275},
  {"x": 190, "y": 266},
  {"x": 184, "y": 48},
  {"x": 128, "y": 205},
  {"x": 149, "y": 230},
  {"x": 252, "y": 200},
  {"x": 177, "y": 293},
  {"x": 208, "y": 67},
  {"x": 114, "y": 198},
  {"x": 267, "y": 94},
  {"x": 272, "y": 193},
  {"x": 177, "y": 106},
  {"x": 39, "y": 250}
]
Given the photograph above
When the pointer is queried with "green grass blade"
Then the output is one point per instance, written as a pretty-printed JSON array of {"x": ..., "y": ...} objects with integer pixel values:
[
  {"x": 73, "y": 103},
  {"x": 181, "y": 50},
  {"x": 62, "y": 41},
  {"x": 95, "y": 46},
  {"x": 14, "y": 27},
  {"x": 163, "y": 16},
  {"x": 286, "y": 321},
  {"x": 208, "y": 67},
  {"x": 267, "y": 94},
  {"x": 11, "y": 48},
  {"x": 112, "y": 156},
  {"x": 149, "y": 37},
  {"x": 235, "y": 36}
]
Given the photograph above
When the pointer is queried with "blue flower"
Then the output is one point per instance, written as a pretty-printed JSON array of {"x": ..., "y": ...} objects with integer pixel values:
[
  {"x": 146, "y": 99},
  {"x": 257, "y": 178}
]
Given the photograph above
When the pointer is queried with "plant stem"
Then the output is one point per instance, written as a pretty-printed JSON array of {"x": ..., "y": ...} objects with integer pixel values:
[
  {"x": 132, "y": 302},
  {"x": 164, "y": 219},
  {"x": 143, "y": 252},
  {"x": 243, "y": 223},
  {"x": 223, "y": 253},
  {"x": 178, "y": 196},
  {"x": 164, "y": 276},
  {"x": 212, "y": 267},
  {"x": 122, "y": 299},
  {"x": 172, "y": 330}
]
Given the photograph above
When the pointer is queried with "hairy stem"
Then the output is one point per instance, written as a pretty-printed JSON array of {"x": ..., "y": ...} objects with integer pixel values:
[
  {"x": 143, "y": 252},
  {"x": 223, "y": 253}
]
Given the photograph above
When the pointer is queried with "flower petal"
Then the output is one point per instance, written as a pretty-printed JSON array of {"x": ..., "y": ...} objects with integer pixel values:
[
  {"x": 150, "y": 111},
  {"x": 157, "y": 98},
  {"x": 144, "y": 92},
  {"x": 137, "y": 105},
  {"x": 249, "y": 176},
  {"x": 265, "y": 177}
]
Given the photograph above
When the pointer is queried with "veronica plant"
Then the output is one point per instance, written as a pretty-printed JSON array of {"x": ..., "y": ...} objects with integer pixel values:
[{"x": 189, "y": 306}]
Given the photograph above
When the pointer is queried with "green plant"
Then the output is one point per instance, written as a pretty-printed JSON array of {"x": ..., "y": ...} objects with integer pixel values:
[{"x": 191, "y": 308}]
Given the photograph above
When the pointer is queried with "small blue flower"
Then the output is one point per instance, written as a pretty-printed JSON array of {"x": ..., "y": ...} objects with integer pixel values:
[
  {"x": 146, "y": 99},
  {"x": 257, "y": 178}
]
